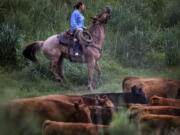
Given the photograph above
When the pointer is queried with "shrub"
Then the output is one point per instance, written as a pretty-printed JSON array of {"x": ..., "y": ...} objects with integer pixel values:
[
  {"x": 122, "y": 126},
  {"x": 9, "y": 44},
  {"x": 172, "y": 46},
  {"x": 133, "y": 49}
]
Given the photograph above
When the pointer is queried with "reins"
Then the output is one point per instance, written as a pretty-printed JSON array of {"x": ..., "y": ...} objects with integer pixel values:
[{"x": 93, "y": 46}]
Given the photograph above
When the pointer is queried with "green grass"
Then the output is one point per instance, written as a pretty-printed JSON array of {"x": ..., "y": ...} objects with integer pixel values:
[
  {"x": 22, "y": 84},
  {"x": 142, "y": 37}
]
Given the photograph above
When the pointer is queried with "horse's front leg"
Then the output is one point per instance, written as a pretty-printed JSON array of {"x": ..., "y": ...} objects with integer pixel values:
[
  {"x": 91, "y": 66},
  {"x": 98, "y": 69}
]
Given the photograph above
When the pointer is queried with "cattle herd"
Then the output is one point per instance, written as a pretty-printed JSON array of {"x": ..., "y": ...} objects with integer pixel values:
[{"x": 153, "y": 102}]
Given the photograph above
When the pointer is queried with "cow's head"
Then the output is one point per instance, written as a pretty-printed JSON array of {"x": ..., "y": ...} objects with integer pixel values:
[
  {"x": 137, "y": 91},
  {"x": 155, "y": 100},
  {"x": 104, "y": 101},
  {"x": 103, "y": 17},
  {"x": 82, "y": 113},
  {"x": 101, "y": 115}
]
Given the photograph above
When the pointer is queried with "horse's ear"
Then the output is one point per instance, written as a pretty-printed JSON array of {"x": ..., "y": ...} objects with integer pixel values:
[{"x": 93, "y": 17}]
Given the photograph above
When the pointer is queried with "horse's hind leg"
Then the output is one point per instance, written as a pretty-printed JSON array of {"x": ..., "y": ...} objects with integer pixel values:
[
  {"x": 98, "y": 69},
  {"x": 53, "y": 68},
  {"x": 61, "y": 66}
]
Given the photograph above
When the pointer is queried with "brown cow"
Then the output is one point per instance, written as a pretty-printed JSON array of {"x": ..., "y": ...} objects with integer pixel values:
[
  {"x": 102, "y": 115},
  {"x": 62, "y": 128},
  {"x": 42, "y": 109},
  {"x": 103, "y": 101},
  {"x": 153, "y": 86},
  {"x": 161, "y": 123},
  {"x": 156, "y": 100},
  {"x": 136, "y": 111}
]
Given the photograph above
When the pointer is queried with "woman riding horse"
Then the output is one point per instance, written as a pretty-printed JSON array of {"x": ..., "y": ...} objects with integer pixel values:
[
  {"x": 56, "y": 52},
  {"x": 77, "y": 23}
]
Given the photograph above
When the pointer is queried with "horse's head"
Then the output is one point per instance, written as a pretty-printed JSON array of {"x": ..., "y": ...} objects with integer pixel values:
[{"x": 103, "y": 17}]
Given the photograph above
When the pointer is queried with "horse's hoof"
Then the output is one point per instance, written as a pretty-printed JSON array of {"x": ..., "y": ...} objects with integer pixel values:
[
  {"x": 90, "y": 88},
  {"x": 59, "y": 79},
  {"x": 65, "y": 81}
]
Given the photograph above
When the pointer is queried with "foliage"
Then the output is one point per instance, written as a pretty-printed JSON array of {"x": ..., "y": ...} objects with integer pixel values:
[
  {"x": 9, "y": 49},
  {"x": 172, "y": 46},
  {"x": 139, "y": 32},
  {"x": 122, "y": 126},
  {"x": 143, "y": 28}
]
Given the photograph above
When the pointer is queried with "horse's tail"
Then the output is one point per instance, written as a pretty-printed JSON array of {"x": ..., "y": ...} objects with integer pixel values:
[{"x": 30, "y": 51}]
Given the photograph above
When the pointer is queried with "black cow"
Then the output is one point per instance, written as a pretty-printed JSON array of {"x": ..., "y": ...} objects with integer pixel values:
[{"x": 136, "y": 96}]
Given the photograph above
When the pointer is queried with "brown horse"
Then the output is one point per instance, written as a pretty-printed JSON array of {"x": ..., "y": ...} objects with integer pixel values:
[{"x": 56, "y": 52}]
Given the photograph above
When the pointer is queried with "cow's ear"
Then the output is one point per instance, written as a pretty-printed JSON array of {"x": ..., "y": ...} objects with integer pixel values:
[
  {"x": 97, "y": 100},
  {"x": 76, "y": 106},
  {"x": 105, "y": 97},
  {"x": 97, "y": 97},
  {"x": 81, "y": 101}
]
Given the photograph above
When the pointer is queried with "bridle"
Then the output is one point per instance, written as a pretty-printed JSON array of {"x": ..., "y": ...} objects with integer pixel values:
[{"x": 93, "y": 46}]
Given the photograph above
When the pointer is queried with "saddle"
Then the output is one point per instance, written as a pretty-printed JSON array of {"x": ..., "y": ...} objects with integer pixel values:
[{"x": 66, "y": 38}]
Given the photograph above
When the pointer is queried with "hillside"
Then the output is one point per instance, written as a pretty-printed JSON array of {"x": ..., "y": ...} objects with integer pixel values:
[{"x": 142, "y": 39}]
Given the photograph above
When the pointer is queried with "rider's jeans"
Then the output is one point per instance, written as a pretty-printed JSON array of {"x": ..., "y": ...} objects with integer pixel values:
[{"x": 76, "y": 47}]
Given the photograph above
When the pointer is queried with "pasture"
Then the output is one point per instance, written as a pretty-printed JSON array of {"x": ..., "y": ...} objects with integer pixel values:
[{"x": 142, "y": 39}]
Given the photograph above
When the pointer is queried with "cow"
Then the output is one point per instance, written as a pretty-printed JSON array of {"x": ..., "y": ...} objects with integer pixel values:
[
  {"x": 100, "y": 101},
  {"x": 136, "y": 95},
  {"x": 42, "y": 109},
  {"x": 101, "y": 108},
  {"x": 156, "y": 100},
  {"x": 65, "y": 128},
  {"x": 102, "y": 115},
  {"x": 162, "y": 124},
  {"x": 137, "y": 111},
  {"x": 153, "y": 86},
  {"x": 29, "y": 113}
]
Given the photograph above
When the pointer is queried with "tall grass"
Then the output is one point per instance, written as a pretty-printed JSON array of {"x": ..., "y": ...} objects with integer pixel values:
[
  {"x": 137, "y": 29},
  {"x": 139, "y": 34},
  {"x": 122, "y": 126},
  {"x": 9, "y": 40}
]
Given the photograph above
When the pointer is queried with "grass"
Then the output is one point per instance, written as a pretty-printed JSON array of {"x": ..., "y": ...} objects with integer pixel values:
[
  {"x": 133, "y": 27},
  {"x": 18, "y": 84}
]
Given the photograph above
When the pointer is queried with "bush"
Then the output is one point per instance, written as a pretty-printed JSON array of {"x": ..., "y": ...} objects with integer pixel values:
[
  {"x": 136, "y": 28},
  {"x": 122, "y": 126},
  {"x": 132, "y": 49},
  {"x": 172, "y": 46},
  {"x": 9, "y": 46}
]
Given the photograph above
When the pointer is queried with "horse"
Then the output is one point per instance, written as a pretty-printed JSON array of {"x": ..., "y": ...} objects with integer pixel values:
[{"x": 56, "y": 52}]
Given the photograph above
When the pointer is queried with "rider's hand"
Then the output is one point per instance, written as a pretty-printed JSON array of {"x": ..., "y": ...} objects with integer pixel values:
[
  {"x": 85, "y": 29},
  {"x": 78, "y": 30}
]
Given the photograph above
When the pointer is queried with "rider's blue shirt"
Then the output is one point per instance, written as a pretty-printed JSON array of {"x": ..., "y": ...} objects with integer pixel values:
[{"x": 77, "y": 20}]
